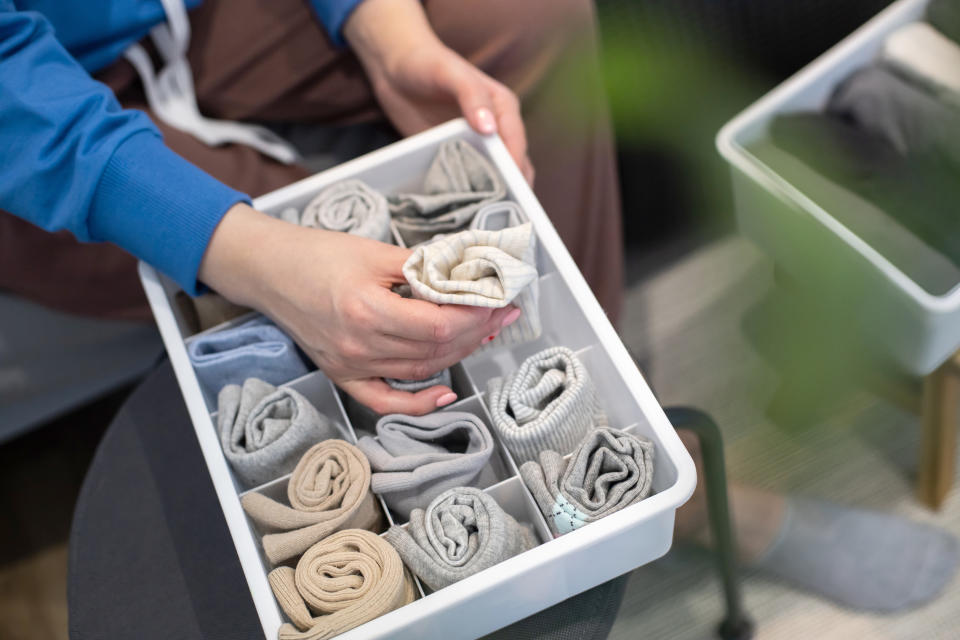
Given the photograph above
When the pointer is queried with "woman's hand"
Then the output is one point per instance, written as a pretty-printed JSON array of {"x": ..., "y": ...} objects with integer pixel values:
[
  {"x": 420, "y": 82},
  {"x": 332, "y": 293}
]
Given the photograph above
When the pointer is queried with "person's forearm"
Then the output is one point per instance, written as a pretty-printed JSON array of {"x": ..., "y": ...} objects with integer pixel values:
[{"x": 379, "y": 30}]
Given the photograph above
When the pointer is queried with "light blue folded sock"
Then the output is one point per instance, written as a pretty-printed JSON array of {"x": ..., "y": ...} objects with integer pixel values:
[
  {"x": 861, "y": 559},
  {"x": 255, "y": 349}
]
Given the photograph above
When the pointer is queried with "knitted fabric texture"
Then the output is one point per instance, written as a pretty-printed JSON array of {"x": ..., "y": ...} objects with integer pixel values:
[
  {"x": 341, "y": 582},
  {"x": 415, "y": 459},
  {"x": 549, "y": 402},
  {"x": 462, "y": 532},
  {"x": 457, "y": 183},
  {"x": 928, "y": 57},
  {"x": 264, "y": 430},
  {"x": 609, "y": 471},
  {"x": 481, "y": 269},
  {"x": 328, "y": 491},
  {"x": 349, "y": 206},
  {"x": 255, "y": 347},
  {"x": 441, "y": 377}
]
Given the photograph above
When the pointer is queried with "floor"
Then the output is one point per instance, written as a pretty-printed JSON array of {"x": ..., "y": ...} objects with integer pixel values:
[{"x": 706, "y": 324}]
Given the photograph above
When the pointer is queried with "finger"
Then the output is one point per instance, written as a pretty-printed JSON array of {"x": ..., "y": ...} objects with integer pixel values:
[
  {"x": 475, "y": 101},
  {"x": 529, "y": 173},
  {"x": 424, "y": 321},
  {"x": 506, "y": 109},
  {"x": 383, "y": 399},
  {"x": 391, "y": 259}
]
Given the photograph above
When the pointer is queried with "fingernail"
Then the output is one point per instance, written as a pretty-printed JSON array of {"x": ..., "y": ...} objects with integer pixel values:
[
  {"x": 446, "y": 399},
  {"x": 488, "y": 339},
  {"x": 511, "y": 318},
  {"x": 485, "y": 120}
]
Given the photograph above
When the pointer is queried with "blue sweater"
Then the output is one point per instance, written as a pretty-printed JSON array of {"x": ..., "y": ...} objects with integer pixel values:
[{"x": 73, "y": 159}]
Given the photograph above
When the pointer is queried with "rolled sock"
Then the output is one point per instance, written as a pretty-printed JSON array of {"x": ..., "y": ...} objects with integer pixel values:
[
  {"x": 457, "y": 183},
  {"x": 255, "y": 348},
  {"x": 944, "y": 15},
  {"x": 548, "y": 403},
  {"x": 927, "y": 57},
  {"x": 482, "y": 268},
  {"x": 349, "y": 206},
  {"x": 264, "y": 430},
  {"x": 328, "y": 491},
  {"x": 462, "y": 532},
  {"x": 412, "y": 386},
  {"x": 498, "y": 216},
  {"x": 341, "y": 582},
  {"x": 609, "y": 471},
  {"x": 860, "y": 559},
  {"x": 416, "y": 458}
]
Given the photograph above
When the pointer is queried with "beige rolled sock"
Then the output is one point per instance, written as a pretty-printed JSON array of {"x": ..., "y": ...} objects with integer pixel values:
[
  {"x": 341, "y": 582},
  {"x": 328, "y": 491}
]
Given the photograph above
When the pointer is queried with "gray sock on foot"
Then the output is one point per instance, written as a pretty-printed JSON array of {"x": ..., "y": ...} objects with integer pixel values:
[{"x": 860, "y": 559}]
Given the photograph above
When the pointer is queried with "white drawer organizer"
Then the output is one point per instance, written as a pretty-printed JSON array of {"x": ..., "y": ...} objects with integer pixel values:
[
  {"x": 572, "y": 317},
  {"x": 920, "y": 329}
]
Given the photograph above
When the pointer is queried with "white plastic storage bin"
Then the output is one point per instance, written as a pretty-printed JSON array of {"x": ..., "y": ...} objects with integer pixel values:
[
  {"x": 557, "y": 568},
  {"x": 920, "y": 329}
]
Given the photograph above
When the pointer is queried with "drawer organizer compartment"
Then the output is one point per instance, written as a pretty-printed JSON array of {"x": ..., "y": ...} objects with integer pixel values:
[{"x": 557, "y": 567}]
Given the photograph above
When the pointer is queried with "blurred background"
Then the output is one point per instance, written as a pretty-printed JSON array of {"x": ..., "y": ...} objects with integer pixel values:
[{"x": 804, "y": 404}]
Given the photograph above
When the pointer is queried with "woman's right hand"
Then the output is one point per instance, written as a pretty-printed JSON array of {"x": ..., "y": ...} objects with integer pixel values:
[{"x": 332, "y": 293}]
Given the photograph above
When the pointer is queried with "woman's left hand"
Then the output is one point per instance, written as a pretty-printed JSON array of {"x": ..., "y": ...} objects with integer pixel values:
[{"x": 420, "y": 82}]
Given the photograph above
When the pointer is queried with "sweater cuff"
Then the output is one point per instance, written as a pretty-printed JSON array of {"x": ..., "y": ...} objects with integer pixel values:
[
  {"x": 333, "y": 14},
  {"x": 159, "y": 207}
]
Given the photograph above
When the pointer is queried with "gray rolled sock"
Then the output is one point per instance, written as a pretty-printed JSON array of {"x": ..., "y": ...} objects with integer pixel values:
[
  {"x": 264, "y": 430},
  {"x": 457, "y": 183},
  {"x": 860, "y": 559},
  {"x": 609, "y": 471},
  {"x": 349, "y": 206},
  {"x": 548, "y": 403},
  {"x": 412, "y": 386},
  {"x": 497, "y": 216},
  {"x": 462, "y": 532},
  {"x": 415, "y": 459}
]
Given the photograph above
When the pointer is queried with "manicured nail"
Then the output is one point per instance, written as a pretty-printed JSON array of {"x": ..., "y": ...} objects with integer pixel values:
[
  {"x": 446, "y": 399},
  {"x": 511, "y": 318},
  {"x": 485, "y": 120},
  {"x": 488, "y": 339}
]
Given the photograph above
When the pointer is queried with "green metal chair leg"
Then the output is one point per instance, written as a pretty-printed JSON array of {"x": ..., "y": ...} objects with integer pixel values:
[{"x": 737, "y": 625}]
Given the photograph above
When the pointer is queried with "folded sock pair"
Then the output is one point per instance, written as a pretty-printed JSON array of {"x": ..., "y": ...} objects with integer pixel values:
[
  {"x": 459, "y": 181},
  {"x": 349, "y": 206},
  {"x": 609, "y": 471},
  {"x": 256, "y": 347},
  {"x": 264, "y": 430},
  {"x": 328, "y": 491},
  {"x": 415, "y": 459},
  {"x": 482, "y": 268},
  {"x": 462, "y": 532},
  {"x": 340, "y": 582},
  {"x": 548, "y": 403},
  {"x": 412, "y": 386}
]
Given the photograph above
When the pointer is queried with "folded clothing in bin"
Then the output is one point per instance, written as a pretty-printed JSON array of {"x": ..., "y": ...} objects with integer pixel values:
[
  {"x": 482, "y": 268},
  {"x": 264, "y": 430},
  {"x": 549, "y": 402},
  {"x": 927, "y": 57},
  {"x": 457, "y": 183},
  {"x": 349, "y": 206},
  {"x": 341, "y": 582},
  {"x": 416, "y": 458},
  {"x": 609, "y": 471},
  {"x": 462, "y": 532},
  {"x": 256, "y": 347},
  {"x": 328, "y": 491}
]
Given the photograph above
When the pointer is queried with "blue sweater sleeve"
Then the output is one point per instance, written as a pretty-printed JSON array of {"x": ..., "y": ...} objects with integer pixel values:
[
  {"x": 333, "y": 13},
  {"x": 74, "y": 159}
]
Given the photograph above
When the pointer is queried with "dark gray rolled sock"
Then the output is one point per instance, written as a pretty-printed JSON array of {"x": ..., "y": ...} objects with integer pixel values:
[
  {"x": 412, "y": 386},
  {"x": 861, "y": 559}
]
